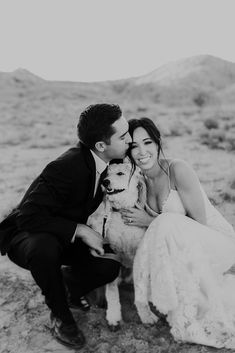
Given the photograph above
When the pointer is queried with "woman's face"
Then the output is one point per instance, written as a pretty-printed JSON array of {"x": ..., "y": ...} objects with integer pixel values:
[{"x": 144, "y": 150}]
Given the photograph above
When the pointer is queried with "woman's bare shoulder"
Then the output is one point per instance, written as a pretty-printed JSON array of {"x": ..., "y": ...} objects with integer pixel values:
[
  {"x": 182, "y": 171},
  {"x": 177, "y": 164}
]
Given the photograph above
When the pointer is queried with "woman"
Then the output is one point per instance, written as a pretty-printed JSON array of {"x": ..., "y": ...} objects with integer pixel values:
[{"x": 187, "y": 247}]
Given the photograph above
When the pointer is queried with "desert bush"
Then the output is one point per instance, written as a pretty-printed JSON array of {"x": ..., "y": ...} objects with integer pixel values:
[
  {"x": 178, "y": 129},
  {"x": 200, "y": 99},
  {"x": 213, "y": 138},
  {"x": 226, "y": 117},
  {"x": 211, "y": 123},
  {"x": 231, "y": 142},
  {"x": 218, "y": 139},
  {"x": 142, "y": 109},
  {"x": 120, "y": 86},
  {"x": 204, "y": 135},
  {"x": 226, "y": 127},
  {"x": 229, "y": 193},
  {"x": 218, "y": 135}
]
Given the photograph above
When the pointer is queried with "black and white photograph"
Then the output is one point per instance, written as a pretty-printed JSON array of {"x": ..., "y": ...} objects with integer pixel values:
[{"x": 117, "y": 176}]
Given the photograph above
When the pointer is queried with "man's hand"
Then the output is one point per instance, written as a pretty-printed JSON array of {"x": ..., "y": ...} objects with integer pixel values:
[{"x": 90, "y": 237}]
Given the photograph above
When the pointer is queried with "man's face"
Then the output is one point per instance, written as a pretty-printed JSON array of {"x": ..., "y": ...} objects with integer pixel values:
[{"x": 119, "y": 141}]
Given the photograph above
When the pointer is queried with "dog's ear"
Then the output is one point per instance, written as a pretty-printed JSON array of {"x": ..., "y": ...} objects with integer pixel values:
[{"x": 142, "y": 191}]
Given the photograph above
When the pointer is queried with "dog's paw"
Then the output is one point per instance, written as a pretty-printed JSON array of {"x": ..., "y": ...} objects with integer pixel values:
[
  {"x": 146, "y": 315},
  {"x": 113, "y": 317}
]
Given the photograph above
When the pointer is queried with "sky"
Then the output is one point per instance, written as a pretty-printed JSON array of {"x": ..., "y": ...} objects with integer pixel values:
[{"x": 98, "y": 40}]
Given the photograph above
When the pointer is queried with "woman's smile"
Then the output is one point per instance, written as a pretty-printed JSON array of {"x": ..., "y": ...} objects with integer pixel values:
[
  {"x": 143, "y": 160},
  {"x": 144, "y": 149}
]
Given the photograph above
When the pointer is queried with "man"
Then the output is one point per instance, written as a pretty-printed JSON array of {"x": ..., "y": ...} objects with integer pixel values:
[{"x": 48, "y": 228}]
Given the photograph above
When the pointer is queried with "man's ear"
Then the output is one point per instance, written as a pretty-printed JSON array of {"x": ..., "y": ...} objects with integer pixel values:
[{"x": 100, "y": 146}]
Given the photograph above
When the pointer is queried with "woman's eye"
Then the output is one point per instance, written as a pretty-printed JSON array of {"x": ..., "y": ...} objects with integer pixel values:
[
  {"x": 120, "y": 173},
  {"x": 148, "y": 142}
]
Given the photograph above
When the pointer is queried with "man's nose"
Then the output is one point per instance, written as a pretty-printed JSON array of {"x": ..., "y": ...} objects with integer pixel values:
[{"x": 128, "y": 138}]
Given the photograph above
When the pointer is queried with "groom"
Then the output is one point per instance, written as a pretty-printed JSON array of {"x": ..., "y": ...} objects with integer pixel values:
[{"x": 48, "y": 228}]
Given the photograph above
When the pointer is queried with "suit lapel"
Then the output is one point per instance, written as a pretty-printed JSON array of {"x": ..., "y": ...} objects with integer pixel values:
[
  {"x": 93, "y": 201},
  {"x": 90, "y": 178},
  {"x": 99, "y": 192}
]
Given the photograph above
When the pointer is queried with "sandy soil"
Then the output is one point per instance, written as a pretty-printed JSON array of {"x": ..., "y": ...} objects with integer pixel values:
[
  {"x": 24, "y": 318},
  {"x": 34, "y": 133}
]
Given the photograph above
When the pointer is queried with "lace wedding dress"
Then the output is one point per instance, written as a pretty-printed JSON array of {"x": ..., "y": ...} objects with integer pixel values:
[{"x": 180, "y": 267}]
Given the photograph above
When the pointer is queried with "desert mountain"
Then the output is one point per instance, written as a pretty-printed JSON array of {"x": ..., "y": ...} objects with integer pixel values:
[
  {"x": 201, "y": 80},
  {"x": 196, "y": 79},
  {"x": 198, "y": 70}
]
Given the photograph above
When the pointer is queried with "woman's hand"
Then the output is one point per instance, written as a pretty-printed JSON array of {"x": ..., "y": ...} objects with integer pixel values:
[{"x": 136, "y": 216}]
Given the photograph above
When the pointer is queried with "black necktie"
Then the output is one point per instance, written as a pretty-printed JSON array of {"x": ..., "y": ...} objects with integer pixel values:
[{"x": 103, "y": 175}]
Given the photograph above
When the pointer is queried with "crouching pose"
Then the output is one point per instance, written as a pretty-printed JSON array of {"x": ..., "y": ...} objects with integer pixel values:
[{"x": 48, "y": 228}]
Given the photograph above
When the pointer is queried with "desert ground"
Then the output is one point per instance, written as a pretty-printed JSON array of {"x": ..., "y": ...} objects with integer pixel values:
[{"x": 37, "y": 123}]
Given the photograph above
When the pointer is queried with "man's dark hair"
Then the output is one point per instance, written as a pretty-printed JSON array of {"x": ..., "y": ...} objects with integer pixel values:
[{"x": 95, "y": 123}]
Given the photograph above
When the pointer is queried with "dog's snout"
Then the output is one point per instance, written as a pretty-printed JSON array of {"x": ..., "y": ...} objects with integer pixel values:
[{"x": 106, "y": 183}]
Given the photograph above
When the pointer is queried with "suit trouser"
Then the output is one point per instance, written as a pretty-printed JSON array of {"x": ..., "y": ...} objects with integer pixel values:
[{"x": 43, "y": 254}]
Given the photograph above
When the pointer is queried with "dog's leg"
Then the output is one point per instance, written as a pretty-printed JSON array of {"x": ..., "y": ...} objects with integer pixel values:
[
  {"x": 113, "y": 313},
  {"x": 145, "y": 314}
]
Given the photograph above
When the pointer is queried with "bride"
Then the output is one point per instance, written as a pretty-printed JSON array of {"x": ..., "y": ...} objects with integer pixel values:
[{"x": 181, "y": 263}]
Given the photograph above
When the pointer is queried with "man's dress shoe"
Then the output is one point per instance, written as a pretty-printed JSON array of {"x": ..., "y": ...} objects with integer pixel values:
[{"x": 67, "y": 333}]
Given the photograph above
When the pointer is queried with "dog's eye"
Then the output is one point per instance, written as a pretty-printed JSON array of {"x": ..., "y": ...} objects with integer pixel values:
[{"x": 120, "y": 173}]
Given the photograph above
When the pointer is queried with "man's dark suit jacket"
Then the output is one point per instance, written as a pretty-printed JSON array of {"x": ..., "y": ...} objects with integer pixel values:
[{"x": 59, "y": 198}]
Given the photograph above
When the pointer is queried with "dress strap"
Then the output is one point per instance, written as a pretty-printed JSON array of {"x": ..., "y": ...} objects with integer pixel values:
[{"x": 169, "y": 179}]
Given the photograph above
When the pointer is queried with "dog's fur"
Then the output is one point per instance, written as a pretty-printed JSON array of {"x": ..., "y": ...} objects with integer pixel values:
[{"x": 123, "y": 190}]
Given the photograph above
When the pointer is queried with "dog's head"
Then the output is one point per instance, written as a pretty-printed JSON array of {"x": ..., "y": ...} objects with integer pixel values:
[{"x": 124, "y": 188}]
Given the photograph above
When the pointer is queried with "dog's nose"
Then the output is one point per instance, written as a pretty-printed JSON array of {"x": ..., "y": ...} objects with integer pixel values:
[{"x": 106, "y": 183}]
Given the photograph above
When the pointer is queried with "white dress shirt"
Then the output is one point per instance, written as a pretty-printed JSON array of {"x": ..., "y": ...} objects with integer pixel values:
[{"x": 100, "y": 166}]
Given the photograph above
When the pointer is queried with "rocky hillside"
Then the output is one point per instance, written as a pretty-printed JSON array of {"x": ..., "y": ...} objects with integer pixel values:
[{"x": 199, "y": 80}]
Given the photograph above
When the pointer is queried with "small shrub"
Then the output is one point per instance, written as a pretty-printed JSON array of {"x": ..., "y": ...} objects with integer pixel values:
[
  {"x": 214, "y": 139},
  {"x": 226, "y": 118},
  {"x": 231, "y": 142},
  {"x": 142, "y": 109},
  {"x": 218, "y": 135},
  {"x": 211, "y": 123},
  {"x": 120, "y": 87},
  {"x": 200, "y": 100},
  {"x": 204, "y": 135},
  {"x": 179, "y": 129},
  {"x": 229, "y": 193}
]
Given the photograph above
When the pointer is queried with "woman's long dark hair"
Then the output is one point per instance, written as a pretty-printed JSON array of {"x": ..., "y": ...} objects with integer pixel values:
[{"x": 153, "y": 132}]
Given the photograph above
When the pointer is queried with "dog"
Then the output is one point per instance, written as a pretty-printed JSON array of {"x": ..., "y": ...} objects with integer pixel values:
[{"x": 124, "y": 188}]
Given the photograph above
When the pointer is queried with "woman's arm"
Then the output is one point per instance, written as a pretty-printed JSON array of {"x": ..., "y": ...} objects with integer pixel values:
[{"x": 188, "y": 187}]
